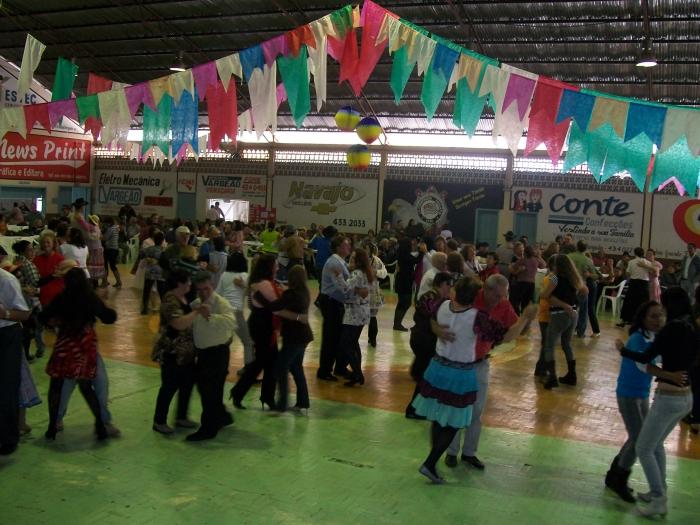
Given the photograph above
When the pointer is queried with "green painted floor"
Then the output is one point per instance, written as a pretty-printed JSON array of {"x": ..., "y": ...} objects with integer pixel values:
[{"x": 340, "y": 464}]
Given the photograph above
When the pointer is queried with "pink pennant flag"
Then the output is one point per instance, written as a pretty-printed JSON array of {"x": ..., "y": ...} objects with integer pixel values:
[
  {"x": 519, "y": 90},
  {"x": 204, "y": 75},
  {"x": 62, "y": 108},
  {"x": 281, "y": 93},
  {"x": 139, "y": 94},
  {"x": 274, "y": 47},
  {"x": 37, "y": 113}
]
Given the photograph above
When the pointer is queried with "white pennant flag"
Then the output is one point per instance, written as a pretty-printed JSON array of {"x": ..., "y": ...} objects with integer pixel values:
[{"x": 33, "y": 49}]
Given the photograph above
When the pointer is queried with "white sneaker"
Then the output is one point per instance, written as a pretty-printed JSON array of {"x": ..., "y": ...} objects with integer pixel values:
[
  {"x": 657, "y": 507},
  {"x": 644, "y": 496}
]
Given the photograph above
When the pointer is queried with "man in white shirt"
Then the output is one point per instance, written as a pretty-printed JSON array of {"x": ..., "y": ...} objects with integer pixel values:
[
  {"x": 13, "y": 310},
  {"x": 690, "y": 271},
  {"x": 439, "y": 264},
  {"x": 212, "y": 330}
]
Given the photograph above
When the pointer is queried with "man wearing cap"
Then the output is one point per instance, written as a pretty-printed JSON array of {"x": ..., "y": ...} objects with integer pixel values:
[
  {"x": 13, "y": 310},
  {"x": 173, "y": 253},
  {"x": 505, "y": 253}
]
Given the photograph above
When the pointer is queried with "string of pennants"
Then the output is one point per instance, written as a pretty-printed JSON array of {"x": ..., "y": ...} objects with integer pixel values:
[{"x": 609, "y": 134}]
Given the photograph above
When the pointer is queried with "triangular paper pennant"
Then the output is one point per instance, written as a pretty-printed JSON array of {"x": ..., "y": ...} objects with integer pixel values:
[
  {"x": 63, "y": 81},
  {"x": 251, "y": 59},
  {"x": 610, "y": 111},
  {"x": 275, "y": 47},
  {"x": 222, "y": 108},
  {"x": 204, "y": 76},
  {"x": 184, "y": 123},
  {"x": 37, "y": 113},
  {"x": 318, "y": 65},
  {"x": 295, "y": 76},
  {"x": 677, "y": 161},
  {"x": 647, "y": 119},
  {"x": 437, "y": 77},
  {"x": 13, "y": 120},
  {"x": 156, "y": 126},
  {"x": 262, "y": 87},
  {"x": 179, "y": 82},
  {"x": 33, "y": 50},
  {"x": 139, "y": 94},
  {"x": 301, "y": 36},
  {"x": 682, "y": 122},
  {"x": 576, "y": 105},
  {"x": 228, "y": 66},
  {"x": 60, "y": 109}
]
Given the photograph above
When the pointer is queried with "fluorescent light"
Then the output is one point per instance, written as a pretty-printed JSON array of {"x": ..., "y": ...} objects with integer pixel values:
[
  {"x": 647, "y": 58},
  {"x": 179, "y": 65}
]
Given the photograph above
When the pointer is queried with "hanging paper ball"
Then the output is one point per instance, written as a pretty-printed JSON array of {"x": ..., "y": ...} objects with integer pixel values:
[
  {"x": 359, "y": 157},
  {"x": 368, "y": 130},
  {"x": 347, "y": 118}
]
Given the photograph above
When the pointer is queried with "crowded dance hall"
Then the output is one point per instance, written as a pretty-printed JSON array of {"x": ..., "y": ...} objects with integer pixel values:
[{"x": 393, "y": 262}]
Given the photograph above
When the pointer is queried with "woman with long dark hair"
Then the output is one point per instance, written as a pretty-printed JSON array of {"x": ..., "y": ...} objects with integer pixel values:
[
  {"x": 295, "y": 337},
  {"x": 174, "y": 350},
  {"x": 403, "y": 282},
  {"x": 562, "y": 293},
  {"x": 677, "y": 344},
  {"x": 263, "y": 327},
  {"x": 357, "y": 313},
  {"x": 74, "y": 313}
]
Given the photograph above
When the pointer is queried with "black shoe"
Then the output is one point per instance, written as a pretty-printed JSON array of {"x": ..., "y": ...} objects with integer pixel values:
[
  {"x": 40, "y": 352},
  {"x": 200, "y": 435},
  {"x": 347, "y": 374},
  {"x": 450, "y": 460},
  {"x": 327, "y": 377},
  {"x": 568, "y": 379},
  {"x": 474, "y": 462},
  {"x": 7, "y": 449},
  {"x": 373, "y": 344},
  {"x": 101, "y": 432},
  {"x": 413, "y": 415},
  {"x": 616, "y": 480},
  {"x": 270, "y": 404},
  {"x": 50, "y": 434},
  {"x": 227, "y": 419},
  {"x": 400, "y": 329}
]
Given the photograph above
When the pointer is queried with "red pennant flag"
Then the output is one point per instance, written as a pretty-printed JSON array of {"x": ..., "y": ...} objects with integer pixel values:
[
  {"x": 372, "y": 20},
  {"x": 299, "y": 36},
  {"x": 37, "y": 113},
  {"x": 543, "y": 113},
  {"x": 346, "y": 51},
  {"x": 96, "y": 84},
  {"x": 222, "y": 110}
]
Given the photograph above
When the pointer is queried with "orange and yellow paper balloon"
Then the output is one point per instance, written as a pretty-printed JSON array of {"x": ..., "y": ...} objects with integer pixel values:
[
  {"x": 347, "y": 118},
  {"x": 368, "y": 130},
  {"x": 359, "y": 157},
  {"x": 686, "y": 221}
]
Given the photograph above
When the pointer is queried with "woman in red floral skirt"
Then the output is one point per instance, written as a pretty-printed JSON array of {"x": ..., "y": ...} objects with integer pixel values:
[{"x": 73, "y": 313}]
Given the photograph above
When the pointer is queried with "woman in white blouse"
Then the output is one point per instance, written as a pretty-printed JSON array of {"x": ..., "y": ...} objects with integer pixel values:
[
  {"x": 639, "y": 270},
  {"x": 357, "y": 313},
  {"x": 76, "y": 250}
]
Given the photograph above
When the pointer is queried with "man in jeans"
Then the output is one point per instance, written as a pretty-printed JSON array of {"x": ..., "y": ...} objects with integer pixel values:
[
  {"x": 212, "y": 331},
  {"x": 586, "y": 302}
]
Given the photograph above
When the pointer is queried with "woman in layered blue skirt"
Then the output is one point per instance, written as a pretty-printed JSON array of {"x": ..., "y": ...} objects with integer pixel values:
[{"x": 449, "y": 386}]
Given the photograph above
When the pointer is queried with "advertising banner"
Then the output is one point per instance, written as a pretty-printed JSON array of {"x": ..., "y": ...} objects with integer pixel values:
[
  {"x": 443, "y": 205},
  {"x": 348, "y": 204},
  {"x": 251, "y": 188},
  {"x": 44, "y": 158},
  {"x": 611, "y": 221},
  {"x": 675, "y": 222},
  {"x": 148, "y": 192}
]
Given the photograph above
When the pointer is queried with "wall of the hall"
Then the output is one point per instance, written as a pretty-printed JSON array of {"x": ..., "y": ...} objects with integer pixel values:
[{"x": 478, "y": 196}]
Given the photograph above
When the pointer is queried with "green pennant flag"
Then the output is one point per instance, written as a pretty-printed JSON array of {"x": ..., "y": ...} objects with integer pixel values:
[
  {"x": 400, "y": 72},
  {"x": 342, "y": 21},
  {"x": 632, "y": 156},
  {"x": 577, "y": 149},
  {"x": 156, "y": 125},
  {"x": 295, "y": 77},
  {"x": 468, "y": 106},
  {"x": 598, "y": 143},
  {"x": 66, "y": 72},
  {"x": 88, "y": 106},
  {"x": 676, "y": 161}
]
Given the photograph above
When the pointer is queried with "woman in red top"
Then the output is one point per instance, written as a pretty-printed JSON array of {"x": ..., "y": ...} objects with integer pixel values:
[{"x": 47, "y": 261}]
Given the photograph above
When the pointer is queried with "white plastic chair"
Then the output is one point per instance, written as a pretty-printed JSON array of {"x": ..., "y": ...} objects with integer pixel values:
[
  {"x": 615, "y": 300},
  {"x": 133, "y": 244}
]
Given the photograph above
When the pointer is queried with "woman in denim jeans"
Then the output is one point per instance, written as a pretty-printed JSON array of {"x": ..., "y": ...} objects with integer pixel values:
[
  {"x": 562, "y": 293},
  {"x": 677, "y": 344},
  {"x": 633, "y": 385}
]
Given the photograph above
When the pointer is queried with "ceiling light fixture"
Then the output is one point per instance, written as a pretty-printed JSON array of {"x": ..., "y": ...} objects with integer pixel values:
[
  {"x": 179, "y": 65},
  {"x": 647, "y": 58}
]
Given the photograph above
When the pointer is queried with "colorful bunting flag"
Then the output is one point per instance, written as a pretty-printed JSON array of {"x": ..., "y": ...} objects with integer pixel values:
[
  {"x": 318, "y": 67},
  {"x": 400, "y": 73},
  {"x": 468, "y": 107},
  {"x": 36, "y": 113},
  {"x": 88, "y": 106},
  {"x": 262, "y": 87},
  {"x": 222, "y": 109},
  {"x": 647, "y": 119},
  {"x": 542, "y": 128},
  {"x": 576, "y": 105},
  {"x": 682, "y": 122},
  {"x": 156, "y": 126},
  {"x": 437, "y": 77},
  {"x": 180, "y": 82},
  {"x": 677, "y": 161},
  {"x": 295, "y": 39},
  {"x": 60, "y": 109},
  {"x": 251, "y": 59},
  {"x": 611, "y": 111},
  {"x": 63, "y": 81},
  {"x": 204, "y": 76},
  {"x": 372, "y": 45},
  {"x": 229, "y": 66},
  {"x": 275, "y": 47},
  {"x": 184, "y": 123},
  {"x": 13, "y": 120},
  {"x": 295, "y": 77},
  {"x": 139, "y": 94},
  {"x": 33, "y": 50}
]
